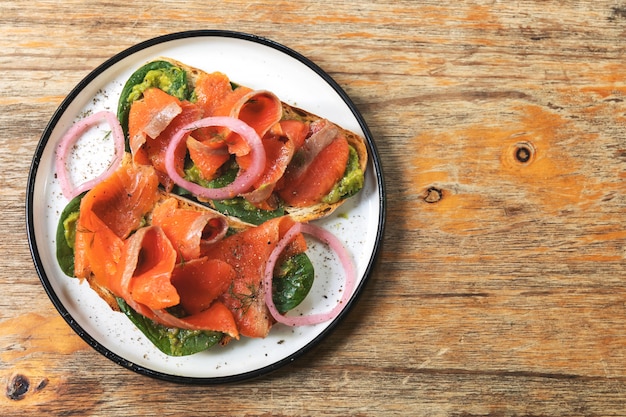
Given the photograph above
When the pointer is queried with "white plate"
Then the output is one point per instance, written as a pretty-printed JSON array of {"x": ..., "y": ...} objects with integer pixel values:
[{"x": 252, "y": 61}]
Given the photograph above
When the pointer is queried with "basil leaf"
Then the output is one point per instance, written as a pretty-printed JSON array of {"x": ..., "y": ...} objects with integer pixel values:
[
  {"x": 66, "y": 231},
  {"x": 171, "y": 341},
  {"x": 293, "y": 282}
]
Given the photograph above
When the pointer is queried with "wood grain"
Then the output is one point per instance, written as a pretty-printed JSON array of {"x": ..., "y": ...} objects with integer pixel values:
[{"x": 500, "y": 287}]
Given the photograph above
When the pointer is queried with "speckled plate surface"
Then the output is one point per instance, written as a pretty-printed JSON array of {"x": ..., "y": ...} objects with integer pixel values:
[{"x": 249, "y": 60}]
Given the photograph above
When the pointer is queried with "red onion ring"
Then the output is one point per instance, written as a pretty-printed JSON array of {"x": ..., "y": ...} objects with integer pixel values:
[
  {"x": 334, "y": 243},
  {"x": 72, "y": 136},
  {"x": 244, "y": 180}
]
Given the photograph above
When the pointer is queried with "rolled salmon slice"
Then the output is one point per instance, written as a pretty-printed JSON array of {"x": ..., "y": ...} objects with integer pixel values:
[{"x": 109, "y": 212}]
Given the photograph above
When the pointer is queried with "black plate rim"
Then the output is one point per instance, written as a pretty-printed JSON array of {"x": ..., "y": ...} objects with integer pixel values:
[{"x": 375, "y": 159}]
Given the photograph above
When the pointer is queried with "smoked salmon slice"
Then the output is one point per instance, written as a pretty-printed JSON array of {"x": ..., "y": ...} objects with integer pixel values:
[
  {"x": 109, "y": 212},
  {"x": 147, "y": 265},
  {"x": 295, "y": 130},
  {"x": 301, "y": 187},
  {"x": 217, "y": 318},
  {"x": 279, "y": 151},
  {"x": 97, "y": 253},
  {"x": 200, "y": 282},
  {"x": 188, "y": 230},
  {"x": 216, "y": 96},
  {"x": 154, "y": 149},
  {"x": 215, "y": 93},
  {"x": 280, "y": 143},
  {"x": 208, "y": 156},
  {"x": 260, "y": 110},
  {"x": 247, "y": 252},
  {"x": 148, "y": 117}
]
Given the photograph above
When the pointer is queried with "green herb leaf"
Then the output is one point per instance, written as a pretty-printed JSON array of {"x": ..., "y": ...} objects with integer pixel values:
[
  {"x": 237, "y": 207},
  {"x": 66, "y": 232},
  {"x": 293, "y": 282},
  {"x": 172, "y": 342}
]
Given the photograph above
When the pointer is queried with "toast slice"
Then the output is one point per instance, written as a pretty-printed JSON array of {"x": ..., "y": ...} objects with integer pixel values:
[
  {"x": 289, "y": 112},
  {"x": 234, "y": 224}
]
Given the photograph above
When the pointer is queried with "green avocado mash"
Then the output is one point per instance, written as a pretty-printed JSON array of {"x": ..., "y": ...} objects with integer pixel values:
[
  {"x": 69, "y": 226},
  {"x": 171, "y": 80},
  {"x": 350, "y": 184},
  {"x": 65, "y": 236},
  {"x": 237, "y": 207},
  {"x": 160, "y": 74},
  {"x": 171, "y": 341}
]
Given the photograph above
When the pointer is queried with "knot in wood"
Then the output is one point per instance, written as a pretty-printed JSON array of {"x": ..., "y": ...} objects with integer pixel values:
[
  {"x": 17, "y": 387},
  {"x": 524, "y": 152},
  {"x": 433, "y": 195}
]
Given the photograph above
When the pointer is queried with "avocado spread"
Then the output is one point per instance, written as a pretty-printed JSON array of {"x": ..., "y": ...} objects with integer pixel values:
[
  {"x": 160, "y": 74},
  {"x": 166, "y": 79},
  {"x": 351, "y": 182},
  {"x": 237, "y": 207}
]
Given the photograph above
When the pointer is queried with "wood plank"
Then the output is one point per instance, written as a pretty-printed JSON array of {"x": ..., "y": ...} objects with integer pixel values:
[{"x": 500, "y": 286}]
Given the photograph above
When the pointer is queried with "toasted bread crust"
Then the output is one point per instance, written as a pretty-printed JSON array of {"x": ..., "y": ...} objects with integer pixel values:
[
  {"x": 315, "y": 211},
  {"x": 103, "y": 293}
]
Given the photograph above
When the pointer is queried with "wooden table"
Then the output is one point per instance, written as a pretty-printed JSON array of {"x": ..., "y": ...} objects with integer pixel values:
[{"x": 500, "y": 286}]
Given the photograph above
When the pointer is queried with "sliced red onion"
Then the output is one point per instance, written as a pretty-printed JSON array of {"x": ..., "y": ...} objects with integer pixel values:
[
  {"x": 344, "y": 257},
  {"x": 71, "y": 137},
  {"x": 244, "y": 180}
]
